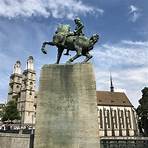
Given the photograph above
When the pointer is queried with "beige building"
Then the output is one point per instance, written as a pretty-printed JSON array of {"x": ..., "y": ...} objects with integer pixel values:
[
  {"x": 22, "y": 89},
  {"x": 116, "y": 115}
]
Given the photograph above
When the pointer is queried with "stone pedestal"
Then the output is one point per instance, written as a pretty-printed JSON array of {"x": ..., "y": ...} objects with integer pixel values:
[{"x": 67, "y": 107}]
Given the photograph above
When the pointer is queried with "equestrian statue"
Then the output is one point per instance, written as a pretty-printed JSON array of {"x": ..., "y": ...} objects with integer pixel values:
[{"x": 72, "y": 41}]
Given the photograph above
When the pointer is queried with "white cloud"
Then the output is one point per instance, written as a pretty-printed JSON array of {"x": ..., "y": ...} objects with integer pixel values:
[
  {"x": 120, "y": 90},
  {"x": 125, "y": 53},
  {"x": 135, "y": 17},
  {"x": 139, "y": 43},
  {"x": 133, "y": 9},
  {"x": 134, "y": 13},
  {"x": 45, "y": 8}
]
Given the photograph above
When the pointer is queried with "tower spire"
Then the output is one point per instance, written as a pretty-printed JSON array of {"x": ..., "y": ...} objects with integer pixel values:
[
  {"x": 30, "y": 64},
  {"x": 17, "y": 68},
  {"x": 111, "y": 83}
]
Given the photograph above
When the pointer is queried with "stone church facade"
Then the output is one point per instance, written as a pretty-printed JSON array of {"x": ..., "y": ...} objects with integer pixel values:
[{"x": 22, "y": 89}]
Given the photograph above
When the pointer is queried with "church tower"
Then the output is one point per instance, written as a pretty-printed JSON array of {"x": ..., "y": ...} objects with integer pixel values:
[
  {"x": 26, "y": 102},
  {"x": 15, "y": 82}
]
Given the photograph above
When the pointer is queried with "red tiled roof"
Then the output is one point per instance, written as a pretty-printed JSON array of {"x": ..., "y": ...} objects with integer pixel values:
[{"x": 112, "y": 98}]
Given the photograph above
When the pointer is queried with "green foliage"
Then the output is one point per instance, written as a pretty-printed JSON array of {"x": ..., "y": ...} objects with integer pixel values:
[
  {"x": 1, "y": 114},
  {"x": 10, "y": 112},
  {"x": 143, "y": 107},
  {"x": 142, "y": 112}
]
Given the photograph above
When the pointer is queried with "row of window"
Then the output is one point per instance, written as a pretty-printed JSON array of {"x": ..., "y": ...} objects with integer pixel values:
[{"x": 113, "y": 117}]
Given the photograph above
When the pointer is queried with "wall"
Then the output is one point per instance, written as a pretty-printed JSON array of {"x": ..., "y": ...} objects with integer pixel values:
[{"x": 10, "y": 140}]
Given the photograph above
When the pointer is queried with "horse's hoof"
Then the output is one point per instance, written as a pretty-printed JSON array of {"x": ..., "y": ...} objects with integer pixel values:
[
  {"x": 44, "y": 52},
  {"x": 84, "y": 62},
  {"x": 68, "y": 62},
  {"x": 66, "y": 54}
]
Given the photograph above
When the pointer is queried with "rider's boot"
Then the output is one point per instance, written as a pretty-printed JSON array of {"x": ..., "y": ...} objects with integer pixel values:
[{"x": 63, "y": 42}]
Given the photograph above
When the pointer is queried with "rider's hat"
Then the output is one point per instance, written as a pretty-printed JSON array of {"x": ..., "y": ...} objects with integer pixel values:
[{"x": 77, "y": 19}]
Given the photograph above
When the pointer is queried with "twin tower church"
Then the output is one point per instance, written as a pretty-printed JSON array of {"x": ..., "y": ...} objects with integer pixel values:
[
  {"x": 22, "y": 89},
  {"x": 116, "y": 114}
]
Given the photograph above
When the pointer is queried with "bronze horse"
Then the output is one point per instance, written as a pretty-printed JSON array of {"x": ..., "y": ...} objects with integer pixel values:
[{"x": 64, "y": 39}]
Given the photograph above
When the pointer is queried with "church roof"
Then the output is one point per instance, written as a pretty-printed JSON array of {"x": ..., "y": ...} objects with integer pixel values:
[{"x": 112, "y": 99}]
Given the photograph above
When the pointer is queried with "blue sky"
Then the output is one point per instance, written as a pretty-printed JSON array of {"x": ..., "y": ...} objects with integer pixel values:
[{"x": 122, "y": 48}]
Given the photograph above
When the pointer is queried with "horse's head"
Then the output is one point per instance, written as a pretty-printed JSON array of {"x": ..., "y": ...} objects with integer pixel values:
[
  {"x": 94, "y": 38},
  {"x": 61, "y": 32},
  {"x": 64, "y": 28}
]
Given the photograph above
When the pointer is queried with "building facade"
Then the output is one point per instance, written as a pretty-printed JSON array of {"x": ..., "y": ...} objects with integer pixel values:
[
  {"x": 22, "y": 89},
  {"x": 116, "y": 115},
  {"x": 117, "y": 121}
]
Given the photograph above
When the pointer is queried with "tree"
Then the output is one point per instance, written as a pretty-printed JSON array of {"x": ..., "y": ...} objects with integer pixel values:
[
  {"x": 10, "y": 112},
  {"x": 1, "y": 114},
  {"x": 142, "y": 112}
]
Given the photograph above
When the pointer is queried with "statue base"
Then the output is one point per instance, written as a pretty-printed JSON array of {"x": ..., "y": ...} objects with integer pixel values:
[{"x": 67, "y": 107}]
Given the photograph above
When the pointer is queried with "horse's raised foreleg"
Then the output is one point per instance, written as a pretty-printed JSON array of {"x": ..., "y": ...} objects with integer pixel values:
[
  {"x": 48, "y": 43},
  {"x": 44, "y": 44},
  {"x": 88, "y": 57},
  {"x": 60, "y": 51}
]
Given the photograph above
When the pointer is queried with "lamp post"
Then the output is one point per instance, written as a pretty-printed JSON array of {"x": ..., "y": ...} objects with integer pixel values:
[
  {"x": 32, "y": 124},
  {"x": 21, "y": 117}
]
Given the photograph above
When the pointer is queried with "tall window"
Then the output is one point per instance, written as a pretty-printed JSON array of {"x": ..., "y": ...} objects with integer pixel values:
[
  {"x": 101, "y": 119},
  {"x": 122, "y": 118},
  {"x": 108, "y": 119},
  {"x": 129, "y": 119},
  {"x": 115, "y": 116}
]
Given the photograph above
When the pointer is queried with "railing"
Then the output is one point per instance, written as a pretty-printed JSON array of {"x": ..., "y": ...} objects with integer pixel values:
[{"x": 135, "y": 142}]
